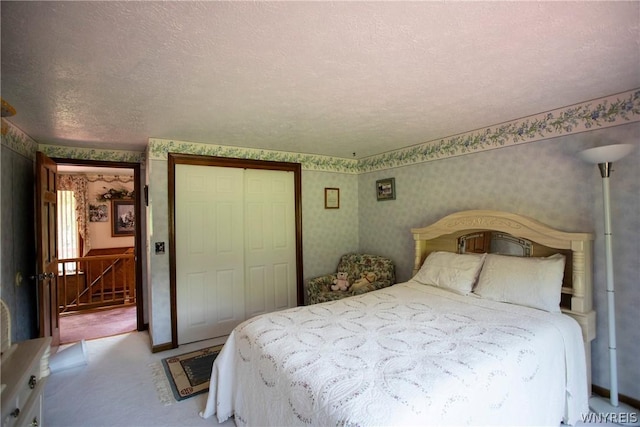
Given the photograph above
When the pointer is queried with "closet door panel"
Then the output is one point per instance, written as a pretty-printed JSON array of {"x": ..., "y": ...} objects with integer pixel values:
[
  {"x": 270, "y": 241},
  {"x": 209, "y": 251},
  {"x": 255, "y": 293},
  {"x": 282, "y": 283}
]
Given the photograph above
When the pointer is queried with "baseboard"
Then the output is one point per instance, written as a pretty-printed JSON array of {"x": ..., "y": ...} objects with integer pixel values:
[
  {"x": 161, "y": 347},
  {"x": 605, "y": 392}
]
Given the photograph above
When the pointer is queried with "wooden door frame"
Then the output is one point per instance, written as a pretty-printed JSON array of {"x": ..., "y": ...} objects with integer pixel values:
[
  {"x": 228, "y": 162},
  {"x": 141, "y": 326}
]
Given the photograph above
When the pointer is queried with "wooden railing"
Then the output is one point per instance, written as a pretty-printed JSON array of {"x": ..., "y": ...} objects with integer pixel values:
[{"x": 96, "y": 281}]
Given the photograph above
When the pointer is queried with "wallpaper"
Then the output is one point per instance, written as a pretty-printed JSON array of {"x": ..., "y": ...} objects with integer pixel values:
[
  {"x": 328, "y": 233},
  {"x": 602, "y": 113},
  {"x": 528, "y": 166},
  {"x": 544, "y": 180},
  {"x": 598, "y": 114},
  {"x": 159, "y": 148},
  {"x": 18, "y": 141},
  {"x": 17, "y": 221},
  {"x": 605, "y": 112},
  {"x": 541, "y": 178},
  {"x": 158, "y": 271},
  {"x": 92, "y": 154},
  {"x": 625, "y": 214}
]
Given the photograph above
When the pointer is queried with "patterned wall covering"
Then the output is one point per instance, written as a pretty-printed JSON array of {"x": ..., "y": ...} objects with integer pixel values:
[
  {"x": 598, "y": 114},
  {"x": 602, "y": 113},
  {"x": 625, "y": 213},
  {"x": 328, "y": 233},
  {"x": 158, "y": 271},
  {"x": 17, "y": 220},
  {"x": 159, "y": 148},
  {"x": 92, "y": 154},
  {"x": 527, "y": 166},
  {"x": 19, "y": 142},
  {"x": 544, "y": 180}
]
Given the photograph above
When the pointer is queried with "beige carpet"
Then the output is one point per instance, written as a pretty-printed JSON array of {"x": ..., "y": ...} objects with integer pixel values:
[
  {"x": 189, "y": 373},
  {"x": 97, "y": 324},
  {"x": 116, "y": 388}
]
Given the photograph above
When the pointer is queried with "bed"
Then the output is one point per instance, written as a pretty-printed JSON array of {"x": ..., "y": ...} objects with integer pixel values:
[{"x": 467, "y": 341}]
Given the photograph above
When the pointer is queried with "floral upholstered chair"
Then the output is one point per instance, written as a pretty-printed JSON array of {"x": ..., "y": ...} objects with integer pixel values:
[{"x": 319, "y": 289}]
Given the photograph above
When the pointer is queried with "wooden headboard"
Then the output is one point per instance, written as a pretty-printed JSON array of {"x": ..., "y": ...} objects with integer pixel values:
[{"x": 444, "y": 235}]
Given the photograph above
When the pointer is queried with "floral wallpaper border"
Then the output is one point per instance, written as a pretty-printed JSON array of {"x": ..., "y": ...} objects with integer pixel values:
[
  {"x": 605, "y": 112},
  {"x": 159, "y": 148},
  {"x": 19, "y": 141},
  {"x": 92, "y": 154},
  {"x": 610, "y": 111}
]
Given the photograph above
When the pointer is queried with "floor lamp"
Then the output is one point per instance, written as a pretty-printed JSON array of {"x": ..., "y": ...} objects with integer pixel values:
[{"x": 604, "y": 158}]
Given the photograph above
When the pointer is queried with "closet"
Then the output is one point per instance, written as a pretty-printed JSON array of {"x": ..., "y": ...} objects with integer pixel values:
[{"x": 236, "y": 246}]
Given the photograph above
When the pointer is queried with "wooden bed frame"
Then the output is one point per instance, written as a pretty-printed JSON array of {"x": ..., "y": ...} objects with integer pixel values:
[{"x": 577, "y": 289}]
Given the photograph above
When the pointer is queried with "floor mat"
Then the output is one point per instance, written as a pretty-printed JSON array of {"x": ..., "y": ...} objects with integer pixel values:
[{"x": 189, "y": 373}]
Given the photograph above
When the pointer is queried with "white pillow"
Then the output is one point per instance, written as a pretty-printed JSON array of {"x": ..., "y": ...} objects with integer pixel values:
[
  {"x": 533, "y": 282},
  {"x": 456, "y": 272}
]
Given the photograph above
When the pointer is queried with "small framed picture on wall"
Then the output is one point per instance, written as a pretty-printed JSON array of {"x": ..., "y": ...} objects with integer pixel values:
[
  {"x": 386, "y": 189},
  {"x": 332, "y": 198},
  {"x": 98, "y": 213}
]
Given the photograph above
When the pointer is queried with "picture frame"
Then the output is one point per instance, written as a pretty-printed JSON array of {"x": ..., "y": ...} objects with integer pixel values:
[
  {"x": 332, "y": 198},
  {"x": 123, "y": 218},
  {"x": 386, "y": 189},
  {"x": 98, "y": 213}
]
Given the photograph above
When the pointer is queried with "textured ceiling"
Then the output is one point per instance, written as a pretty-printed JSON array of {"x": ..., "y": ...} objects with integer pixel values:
[{"x": 328, "y": 78}]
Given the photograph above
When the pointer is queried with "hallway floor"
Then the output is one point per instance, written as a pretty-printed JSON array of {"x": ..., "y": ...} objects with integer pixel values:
[{"x": 97, "y": 324}]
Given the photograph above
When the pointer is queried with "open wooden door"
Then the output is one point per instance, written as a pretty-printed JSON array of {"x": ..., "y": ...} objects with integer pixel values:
[{"x": 47, "y": 249}]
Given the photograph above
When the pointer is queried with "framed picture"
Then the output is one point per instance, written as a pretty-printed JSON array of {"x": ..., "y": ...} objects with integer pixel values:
[
  {"x": 98, "y": 213},
  {"x": 332, "y": 198},
  {"x": 123, "y": 219},
  {"x": 386, "y": 189}
]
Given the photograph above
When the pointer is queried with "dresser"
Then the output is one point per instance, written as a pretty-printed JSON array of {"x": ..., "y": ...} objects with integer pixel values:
[{"x": 25, "y": 369}]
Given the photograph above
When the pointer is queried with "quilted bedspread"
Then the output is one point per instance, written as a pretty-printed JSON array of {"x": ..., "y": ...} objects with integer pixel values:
[{"x": 409, "y": 354}]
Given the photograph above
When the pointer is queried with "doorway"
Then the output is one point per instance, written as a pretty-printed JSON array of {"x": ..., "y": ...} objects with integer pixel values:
[{"x": 110, "y": 292}]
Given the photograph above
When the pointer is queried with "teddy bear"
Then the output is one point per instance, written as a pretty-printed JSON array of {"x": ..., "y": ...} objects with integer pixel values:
[
  {"x": 341, "y": 282},
  {"x": 364, "y": 280}
]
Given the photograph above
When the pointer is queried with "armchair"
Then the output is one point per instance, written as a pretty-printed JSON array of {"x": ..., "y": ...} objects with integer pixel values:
[{"x": 319, "y": 288}]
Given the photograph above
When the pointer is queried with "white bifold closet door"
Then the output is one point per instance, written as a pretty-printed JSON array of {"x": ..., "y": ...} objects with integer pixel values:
[{"x": 235, "y": 247}]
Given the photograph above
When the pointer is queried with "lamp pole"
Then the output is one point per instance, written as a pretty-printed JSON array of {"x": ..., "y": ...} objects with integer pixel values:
[
  {"x": 605, "y": 171},
  {"x": 604, "y": 157}
]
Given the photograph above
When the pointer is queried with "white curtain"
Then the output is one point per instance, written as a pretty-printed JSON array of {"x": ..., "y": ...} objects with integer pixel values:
[{"x": 79, "y": 185}]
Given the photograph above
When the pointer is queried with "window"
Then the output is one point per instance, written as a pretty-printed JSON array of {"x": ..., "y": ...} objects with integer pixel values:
[{"x": 68, "y": 245}]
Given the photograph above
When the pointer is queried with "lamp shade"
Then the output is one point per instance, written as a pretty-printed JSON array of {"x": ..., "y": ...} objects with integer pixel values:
[{"x": 606, "y": 153}]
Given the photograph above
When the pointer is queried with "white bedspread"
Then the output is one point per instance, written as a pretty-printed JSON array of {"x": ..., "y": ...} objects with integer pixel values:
[{"x": 409, "y": 354}]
